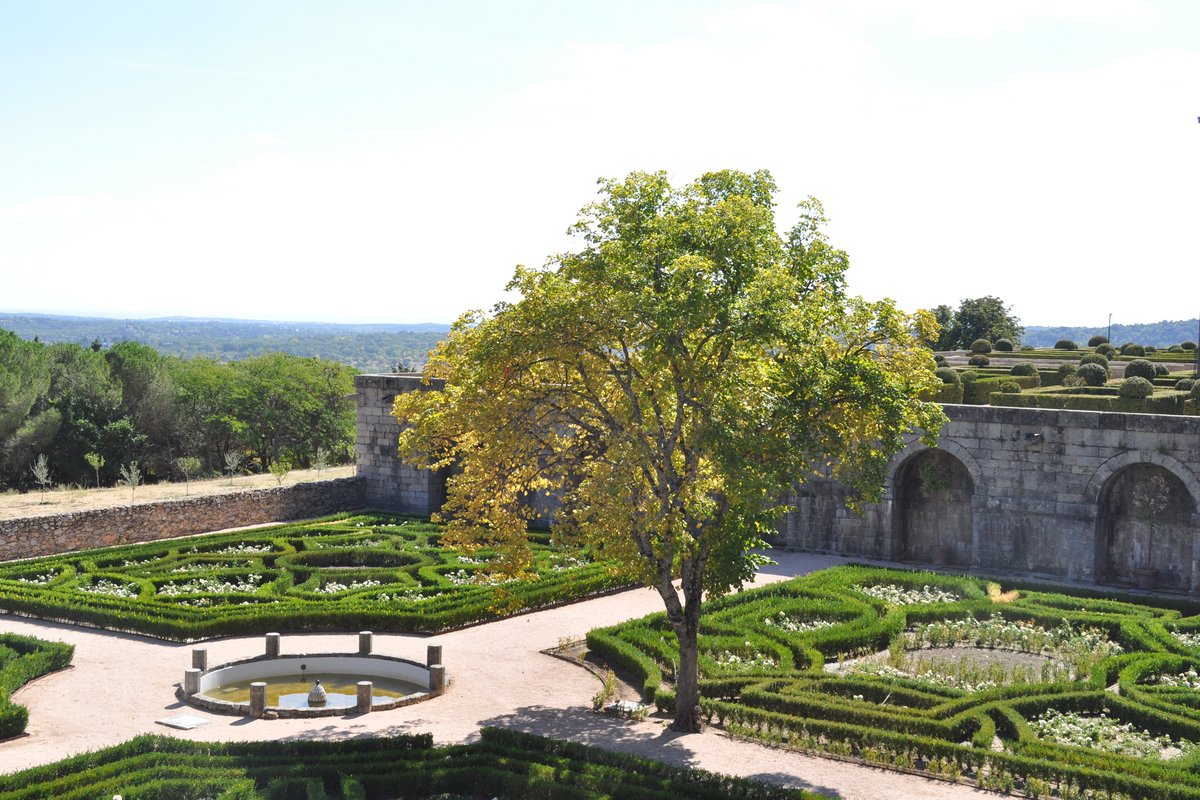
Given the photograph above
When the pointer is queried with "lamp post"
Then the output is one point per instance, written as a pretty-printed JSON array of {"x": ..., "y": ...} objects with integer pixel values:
[{"x": 1109, "y": 336}]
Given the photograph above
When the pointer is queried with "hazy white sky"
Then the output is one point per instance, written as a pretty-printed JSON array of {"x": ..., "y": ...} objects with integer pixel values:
[{"x": 392, "y": 161}]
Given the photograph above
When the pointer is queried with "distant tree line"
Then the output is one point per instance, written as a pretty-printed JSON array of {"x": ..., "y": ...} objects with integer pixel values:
[{"x": 93, "y": 410}]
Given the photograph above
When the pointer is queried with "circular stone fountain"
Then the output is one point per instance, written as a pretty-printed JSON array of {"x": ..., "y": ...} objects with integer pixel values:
[{"x": 316, "y": 685}]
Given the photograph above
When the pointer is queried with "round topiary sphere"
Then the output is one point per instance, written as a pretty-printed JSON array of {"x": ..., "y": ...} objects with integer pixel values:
[
  {"x": 1175, "y": 349},
  {"x": 1195, "y": 392},
  {"x": 1026, "y": 347},
  {"x": 1024, "y": 368},
  {"x": 1106, "y": 350},
  {"x": 939, "y": 359},
  {"x": 1132, "y": 350},
  {"x": 1065, "y": 371},
  {"x": 1160, "y": 371},
  {"x": 979, "y": 361},
  {"x": 1188, "y": 345},
  {"x": 1097, "y": 340},
  {"x": 948, "y": 375},
  {"x": 1010, "y": 387},
  {"x": 1151, "y": 349},
  {"x": 1095, "y": 358},
  {"x": 981, "y": 346},
  {"x": 1065, "y": 344},
  {"x": 968, "y": 375},
  {"x": 1093, "y": 374},
  {"x": 1004, "y": 345},
  {"x": 1136, "y": 387},
  {"x": 1139, "y": 368},
  {"x": 1184, "y": 385}
]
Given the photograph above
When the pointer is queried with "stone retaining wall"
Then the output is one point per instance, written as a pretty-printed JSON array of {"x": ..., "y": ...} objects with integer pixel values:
[{"x": 25, "y": 537}]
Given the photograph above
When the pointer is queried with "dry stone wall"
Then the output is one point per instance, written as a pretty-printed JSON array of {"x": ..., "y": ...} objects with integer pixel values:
[{"x": 25, "y": 537}]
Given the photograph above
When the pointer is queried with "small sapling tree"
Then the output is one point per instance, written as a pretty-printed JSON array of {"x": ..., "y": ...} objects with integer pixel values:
[
  {"x": 131, "y": 476},
  {"x": 187, "y": 466},
  {"x": 280, "y": 468},
  {"x": 233, "y": 460},
  {"x": 41, "y": 474},
  {"x": 320, "y": 460},
  {"x": 95, "y": 461}
]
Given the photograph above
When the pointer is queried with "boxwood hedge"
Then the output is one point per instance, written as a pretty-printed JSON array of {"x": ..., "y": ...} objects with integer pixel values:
[{"x": 23, "y": 658}]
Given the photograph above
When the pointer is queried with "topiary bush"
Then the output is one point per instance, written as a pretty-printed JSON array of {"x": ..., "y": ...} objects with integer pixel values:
[
  {"x": 1106, "y": 350},
  {"x": 981, "y": 346},
  {"x": 979, "y": 361},
  {"x": 1024, "y": 368},
  {"x": 1094, "y": 358},
  {"x": 948, "y": 375},
  {"x": 1093, "y": 374},
  {"x": 1136, "y": 387},
  {"x": 1175, "y": 349},
  {"x": 1139, "y": 368},
  {"x": 1027, "y": 348},
  {"x": 1097, "y": 340},
  {"x": 1195, "y": 393},
  {"x": 1010, "y": 387},
  {"x": 1160, "y": 371},
  {"x": 1184, "y": 385},
  {"x": 1188, "y": 345},
  {"x": 1004, "y": 345},
  {"x": 1065, "y": 371},
  {"x": 1131, "y": 349},
  {"x": 1151, "y": 349},
  {"x": 968, "y": 375},
  {"x": 1066, "y": 344},
  {"x": 939, "y": 359}
]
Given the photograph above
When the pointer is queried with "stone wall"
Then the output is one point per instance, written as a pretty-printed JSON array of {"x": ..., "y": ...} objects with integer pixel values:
[
  {"x": 390, "y": 484},
  {"x": 25, "y": 537}
]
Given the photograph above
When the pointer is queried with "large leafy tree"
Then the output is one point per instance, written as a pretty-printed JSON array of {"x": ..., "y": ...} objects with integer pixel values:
[
  {"x": 976, "y": 318},
  {"x": 669, "y": 381}
]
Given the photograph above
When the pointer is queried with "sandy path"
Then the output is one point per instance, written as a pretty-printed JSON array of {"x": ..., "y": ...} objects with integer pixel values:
[{"x": 120, "y": 684}]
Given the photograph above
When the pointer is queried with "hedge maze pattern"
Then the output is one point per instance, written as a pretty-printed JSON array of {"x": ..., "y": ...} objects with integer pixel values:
[
  {"x": 503, "y": 764},
  {"x": 1033, "y": 691},
  {"x": 369, "y": 571}
]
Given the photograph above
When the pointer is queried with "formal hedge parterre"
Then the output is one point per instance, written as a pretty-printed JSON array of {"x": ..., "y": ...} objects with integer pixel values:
[
  {"x": 23, "y": 658},
  {"x": 367, "y": 571},
  {"x": 502, "y": 764},
  {"x": 1065, "y": 695}
]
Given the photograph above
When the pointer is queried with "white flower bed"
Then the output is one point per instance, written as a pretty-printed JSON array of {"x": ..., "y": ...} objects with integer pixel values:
[
  {"x": 211, "y": 586},
  {"x": 797, "y": 624},
  {"x": 204, "y": 567},
  {"x": 998, "y": 632},
  {"x": 110, "y": 588},
  {"x": 410, "y": 596},
  {"x": 38, "y": 580},
  {"x": 1184, "y": 680},
  {"x": 1187, "y": 639},
  {"x": 333, "y": 587},
  {"x": 244, "y": 549},
  {"x": 895, "y": 595},
  {"x": 1100, "y": 732},
  {"x": 738, "y": 662}
]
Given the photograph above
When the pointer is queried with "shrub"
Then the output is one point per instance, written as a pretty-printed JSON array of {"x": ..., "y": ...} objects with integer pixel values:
[
  {"x": 948, "y": 375},
  {"x": 1093, "y": 374},
  {"x": 1026, "y": 347},
  {"x": 1106, "y": 350},
  {"x": 1139, "y": 368},
  {"x": 981, "y": 346},
  {"x": 1066, "y": 344},
  {"x": 1065, "y": 371},
  {"x": 1131, "y": 349},
  {"x": 1188, "y": 345},
  {"x": 1095, "y": 358},
  {"x": 1174, "y": 349},
  {"x": 968, "y": 375},
  {"x": 1160, "y": 371},
  {"x": 1184, "y": 385},
  {"x": 1004, "y": 345},
  {"x": 1195, "y": 393},
  {"x": 1137, "y": 387},
  {"x": 1097, "y": 340},
  {"x": 1010, "y": 387},
  {"x": 979, "y": 361},
  {"x": 1151, "y": 349},
  {"x": 1024, "y": 368},
  {"x": 939, "y": 359}
]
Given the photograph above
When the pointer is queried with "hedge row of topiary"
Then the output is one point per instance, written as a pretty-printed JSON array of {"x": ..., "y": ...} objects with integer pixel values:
[
  {"x": 502, "y": 763},
  {"x": 23, "y": 658},
  {"x": 365, "y": 571},
  {"x": 840, "y": 692}
]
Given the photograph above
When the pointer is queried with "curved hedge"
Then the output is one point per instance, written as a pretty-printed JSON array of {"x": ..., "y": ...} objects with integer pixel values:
[
  {"x": 23, "y": 658},
  {"x": 363, "y": 572},
  {"x": 910, "y": 721}
]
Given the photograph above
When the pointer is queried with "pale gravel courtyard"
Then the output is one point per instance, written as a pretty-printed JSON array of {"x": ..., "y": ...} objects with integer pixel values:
[{"x": 120, "y": 684}]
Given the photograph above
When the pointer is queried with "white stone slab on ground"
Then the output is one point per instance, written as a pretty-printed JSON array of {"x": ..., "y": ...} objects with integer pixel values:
[{"x": 184, "y": 722}]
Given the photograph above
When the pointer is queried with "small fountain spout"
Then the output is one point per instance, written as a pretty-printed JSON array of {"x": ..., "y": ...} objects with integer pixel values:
[{"x": 316, "y": 695}]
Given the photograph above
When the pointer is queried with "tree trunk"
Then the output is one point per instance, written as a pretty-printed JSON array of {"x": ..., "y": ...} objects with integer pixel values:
[{"x": 687, "y": 679}]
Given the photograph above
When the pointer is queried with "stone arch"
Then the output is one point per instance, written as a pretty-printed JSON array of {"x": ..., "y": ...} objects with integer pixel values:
[
  {"x": 948, "y": 445},
  {"x": 1145, "y": 524},
  {"x": 1115, "y": 464},
  {"x": 933, "y": 494}
]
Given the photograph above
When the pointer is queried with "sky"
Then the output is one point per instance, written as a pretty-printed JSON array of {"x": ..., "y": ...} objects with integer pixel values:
[{"x": 393, "y": 161}]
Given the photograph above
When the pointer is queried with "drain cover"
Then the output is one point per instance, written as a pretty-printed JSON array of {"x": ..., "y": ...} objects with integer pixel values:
[{"x": 184, "y": 722}]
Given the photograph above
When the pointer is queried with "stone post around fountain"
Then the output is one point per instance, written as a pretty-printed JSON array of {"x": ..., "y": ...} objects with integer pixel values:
[
  {"x": 258, "y": 698},
  {"x": 364, "y": 699},
  {"x": 364, "y": 643}
]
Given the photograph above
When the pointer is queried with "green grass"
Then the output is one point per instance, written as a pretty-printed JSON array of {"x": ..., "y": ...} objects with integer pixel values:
[
  {"x": 764, "y": 655},
  {"x": 23, "y": 658},
  {"x": 361, "y": 572},
  {"x": 503, "y": 763}
]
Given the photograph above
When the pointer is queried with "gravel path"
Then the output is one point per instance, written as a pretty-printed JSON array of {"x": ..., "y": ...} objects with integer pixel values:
[{"x": 120, "y": 684}]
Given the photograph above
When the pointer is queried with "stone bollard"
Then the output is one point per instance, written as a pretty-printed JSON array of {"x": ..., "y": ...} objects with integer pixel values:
[
  {"x": 273, "y": 645},
  {"x": 364, "y": 697},
  {"x": 258, "y": 698},
  {"x": 364, "y": 643},
  {"x": 437, "y": 679},
  {"x": 200, "y": 658},
  {"x": 191, "y": 682},
  {"x": 433, "y": 655}
]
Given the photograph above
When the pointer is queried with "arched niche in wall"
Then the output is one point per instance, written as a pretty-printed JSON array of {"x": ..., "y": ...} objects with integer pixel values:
[
  {"x": 1144, "y": 522},
  {"x": 932, "y": 509}
]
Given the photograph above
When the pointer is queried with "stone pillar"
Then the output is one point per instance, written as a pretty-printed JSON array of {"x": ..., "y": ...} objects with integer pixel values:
[
  {"x": 363, "y": 705},
  {"x": 433, "y": 655},
  {"x": 200, "y": 658},
  {"x": 364, "y": 643},
  {"x": 191, "y": 681},
  {"x": 437, "y": 679},
  {"x": 273, "y": 645},
  {"x": 258, "y": 698}
]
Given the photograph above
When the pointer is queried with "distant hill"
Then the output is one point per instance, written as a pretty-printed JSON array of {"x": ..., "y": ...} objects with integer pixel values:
[
  {"x": 1159, "y": 334},
  {"x": 368, "y": 347}
]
